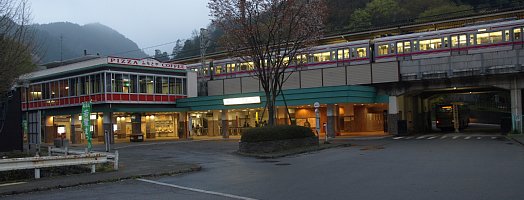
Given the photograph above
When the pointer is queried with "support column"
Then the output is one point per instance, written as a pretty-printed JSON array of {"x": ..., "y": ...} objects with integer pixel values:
[
  {"x": 182, "y": 125},
  {"x": 108, "y": 127},
  {"x": 74, "y": 121},
  {"x": 393, "y": 116},
  {"x": 223, "y": 118},
  {"x": 136, "y": 127},
  {"x": 331, "y": 120},
  {"x": 516, "y": 109}
]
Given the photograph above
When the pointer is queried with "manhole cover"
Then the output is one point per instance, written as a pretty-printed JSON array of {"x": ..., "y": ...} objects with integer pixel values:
[{"x": 282, "y": 164}]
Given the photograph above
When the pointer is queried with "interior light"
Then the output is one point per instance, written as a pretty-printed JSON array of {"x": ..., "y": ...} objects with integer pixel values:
[
  {"x": 92, "y": 116},
  {"x": 454, "y": 88},
  {"x": 79, "y": 117}
]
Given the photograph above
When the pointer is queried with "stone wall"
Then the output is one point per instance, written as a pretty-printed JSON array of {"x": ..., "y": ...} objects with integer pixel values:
[{"x": 278, "y": 145}]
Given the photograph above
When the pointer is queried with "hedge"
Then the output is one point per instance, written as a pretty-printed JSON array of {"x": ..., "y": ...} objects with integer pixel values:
[{"x": 272, "y": 133}]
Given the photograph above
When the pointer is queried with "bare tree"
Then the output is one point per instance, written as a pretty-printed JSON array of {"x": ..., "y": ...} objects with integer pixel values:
[
  {"x": 271, "y": 35},
  {"x": 16, "y": 42}
]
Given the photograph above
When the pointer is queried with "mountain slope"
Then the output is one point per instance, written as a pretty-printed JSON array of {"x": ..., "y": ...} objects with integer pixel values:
[{"x": 95, "y": 38}]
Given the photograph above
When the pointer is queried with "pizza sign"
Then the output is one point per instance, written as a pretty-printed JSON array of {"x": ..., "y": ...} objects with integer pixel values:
[{"x": 148, "y": 62}]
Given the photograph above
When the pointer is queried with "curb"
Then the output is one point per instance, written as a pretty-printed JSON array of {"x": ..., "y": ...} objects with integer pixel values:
[
  {"x": 515, "y": 140},
  {"x": 276, "y": 155},
  {"x": 109, "y": 180}
]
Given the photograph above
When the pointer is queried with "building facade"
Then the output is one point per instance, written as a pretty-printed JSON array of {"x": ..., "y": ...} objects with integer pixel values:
[{"x": 131, "y": 99}]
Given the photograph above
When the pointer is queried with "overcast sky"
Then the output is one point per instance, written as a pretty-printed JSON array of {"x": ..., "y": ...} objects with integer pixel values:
[{"x": 146, "y": 22}]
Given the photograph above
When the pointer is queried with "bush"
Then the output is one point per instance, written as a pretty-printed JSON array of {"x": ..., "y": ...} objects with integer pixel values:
[{"x": 271, "y": 133}]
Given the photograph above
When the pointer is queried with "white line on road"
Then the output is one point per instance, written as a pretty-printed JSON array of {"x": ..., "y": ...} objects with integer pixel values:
[
  {"x": 396, "y": 138},
  {"x": 467, "y": 138},
  {"x": 9, "y": 184},
  {"x": 455, "y": 137},
  {"x": 430, "y": 138},
  {"x": 196, "y": 190},
  {"x": 478, "y": 138},
  {"x": 410, "y": 137},
  {"x": 421, "y": 137},
  {"x": 443, "y": 137},
  {"x": 493, "y": 138}
]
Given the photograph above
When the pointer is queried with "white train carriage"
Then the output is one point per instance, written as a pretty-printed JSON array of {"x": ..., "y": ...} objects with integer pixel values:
[{"x": 465, "y": 40}]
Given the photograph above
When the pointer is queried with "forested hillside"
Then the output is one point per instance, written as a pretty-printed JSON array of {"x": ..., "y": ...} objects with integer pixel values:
[
  {"x": 71, "y": 40},
  {"x": 354, "y": 15}
]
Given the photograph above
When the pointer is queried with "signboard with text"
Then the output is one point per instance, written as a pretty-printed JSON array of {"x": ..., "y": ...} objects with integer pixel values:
[
  {"x": 148, "y": 62},
  {"x": 86, "y": 123},
  {"x": 241, "y": 100}
]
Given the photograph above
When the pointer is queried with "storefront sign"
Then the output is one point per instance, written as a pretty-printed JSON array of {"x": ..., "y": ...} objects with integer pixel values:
[
  {"x": 148, "y": 62},
  {"x": 86, "y": 122},
  {"x": 241, "y": 101}
]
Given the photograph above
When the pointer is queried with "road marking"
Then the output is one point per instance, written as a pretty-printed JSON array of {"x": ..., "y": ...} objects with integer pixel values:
[
  {"x": 9, "y": 184},
  {"x": 493, "y": 137},
  {"x": 410, "y": 137},
  {"x": 455, "y": 137},
  {"x": 396, "y": 138},
  {"x": 467, "y": 138},
  {"x": 443, "y": 137},
  {"x": 196, "y": 190},
  {"x": 421, "y": 137},
  {"x": 478, "y": 138},
  {"x": 433, "y": 137}
]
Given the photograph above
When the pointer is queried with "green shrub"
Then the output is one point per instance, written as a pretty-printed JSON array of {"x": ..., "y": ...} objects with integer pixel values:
[{"x": 271, "y": 133}]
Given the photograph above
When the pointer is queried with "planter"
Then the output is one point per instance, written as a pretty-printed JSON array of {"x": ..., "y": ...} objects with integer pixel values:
[{"x": 277, "y": 145}]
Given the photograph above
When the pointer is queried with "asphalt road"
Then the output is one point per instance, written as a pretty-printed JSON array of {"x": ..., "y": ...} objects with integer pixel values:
[{"x": 423, "y": 167}]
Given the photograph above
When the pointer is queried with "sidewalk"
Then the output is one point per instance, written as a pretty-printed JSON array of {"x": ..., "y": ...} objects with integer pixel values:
[{"x": 136, "y": 160}]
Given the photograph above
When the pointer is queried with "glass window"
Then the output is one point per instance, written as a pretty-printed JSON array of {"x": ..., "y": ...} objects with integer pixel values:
[
  {"x": 301, "y": 59},
  {"x": 361, "y": 52},
  {"x": 118, "y": 83},
  {"x": 150, "y": 85},
  {"x": 95, "y": 84},
  {"x": 340, "y": 54},
  {"x": 86, "y": 85},
  {"x": 285, "y": 61},
  {"x": 45, "y": 90},
  {"x": 178, "y": 86},
  {"x": 471, "y": 39},
  {"x": 463, "y": 40},
  {"x": 72, "y": 87},
  {"x": 23, "y": 94},
  {"x": 218, "y": 69},
  {"x": 205, "y": 71},
  {"x": 506, "y": 35},
  {"x": 231, "y": 67},
  {"x": 333, "y": 55},
  {"x": 407, "y": 47},
  {"x": 430, "y": 44},
  {"x": 516, "y": 34},
  {"x": 383, "y": 49},
  {"x": 392, "y": 48},
  {"x": 446, "y": 42},
  {"x": 488, "y": 38},
  {"x": 346, "y": 53},
  {"x": 454, "y": 41},
  {"x": 54, "y": 89},
  {"x": 352, "y": 52},
  {"x": 126, "y": 83},
  {"x": 165, "y": 85},
  {"x": 64, "y": 88},
  {"x": 36, "y": 92},
  {"x": 108, "y": 82},
  {"x": 415, "y": 45},
  {"x": 321, "y": 57},
  {"x": 184, "y": 88},
  {"x": 143, "y": 85},
  {"x": 158, "y": 87},
  {"x": 246, "y": 66},
  {"x": 133, "y": 84},
  {"x": 400, "y": 47},
  {"x": 172, "y": 86},
  {"x": 80, "y": 86}
]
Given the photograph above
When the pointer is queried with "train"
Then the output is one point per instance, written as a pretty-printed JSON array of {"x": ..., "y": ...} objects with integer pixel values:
[
  {"x": 472, "y": 39},
  {"x": 444, "y": 116}
]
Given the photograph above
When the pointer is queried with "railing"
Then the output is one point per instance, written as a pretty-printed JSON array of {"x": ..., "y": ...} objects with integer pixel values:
[
  {"x": 111, "y": 157},
  {"x": 38, "y": 162}
]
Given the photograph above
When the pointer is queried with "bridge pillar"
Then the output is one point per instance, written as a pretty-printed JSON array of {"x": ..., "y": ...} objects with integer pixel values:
[
  {"x": 393, "y": 116},
  {"x": 516, "y": 109},
  {"x": 331, "y": 120},
  {"x": 224, "y": 131}
]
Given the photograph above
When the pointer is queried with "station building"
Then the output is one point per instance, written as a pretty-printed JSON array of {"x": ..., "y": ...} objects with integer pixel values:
[{"x": 131, "y": 99}]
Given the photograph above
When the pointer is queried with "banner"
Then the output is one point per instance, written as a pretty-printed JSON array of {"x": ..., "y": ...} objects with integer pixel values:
[{"x": 86, "y": 123}]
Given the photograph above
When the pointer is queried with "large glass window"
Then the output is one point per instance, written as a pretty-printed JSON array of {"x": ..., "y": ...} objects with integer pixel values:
[
  {"x": 72, "y": 87},
  {"x": 126, "y": 83},
  {"x": 54, "y": 89},
  {"x": 165, "y": 85},
  {"x": 150, "y": 85},
  {"x": 506, "y": 35},
  {"x": 45, "y": 90},
  {"x": 108, "y": 82},
  {"x": 430, "y": 44},
  {"x": 172, "y": 86},
  {"x": 362, "y": 52},
  {"x": 36, "y": 92},
  {"x": 516, "y": 34},
  {"x": 446, "y": 44},
  {"x": 301, "y": 59},
  {"x": 118, "y": 83},
  {"x": 231, "y": 67},
  {"x": 64, "y": 88},
  {"x": 471, "y": 39},
  {"x": 80, "y": 86},
  {"x": 158, "y": 86},
  {"x": 246, "y": 66},
  {"x": 179, "y": 86},
  {"x": 218, "y": 69},
  {"x": 489, "y": 38},
  {"x": 133, "y": 84},
  {"x": 95, "y": 84},
  {"x": 321, "y": 57},
  {"x": 400, "y": 47},
  {"x": 142, "y": 84},
  {"x": 86, "y": 85},
  {"x": 407, "y": 47},
  {"x": 340, "y": 54},
  {"x": 383, "y": 49}
]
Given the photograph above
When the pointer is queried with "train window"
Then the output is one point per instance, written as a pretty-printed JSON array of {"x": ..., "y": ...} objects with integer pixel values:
[
  {"x": 407, "y": 47},
  {"x": 471, "y": 39},
  {"x": 462, "y": 40},
  {"x": 321, "y": 57},
  {"x": 446, "y": 42},
  {"x": 346, "y": 53},
  {"x": 231, "y": 67},
  {"x": 400, "y": 47},
  {"x": 487, "y": 38},
  {"x": 301, "y": 59},
  {"x": 285, "y": 61},
  {"x": 506, "y": 35},
  {"x": 333, "y": 55},
  {"x": 392, "y": 48},
  {"x": 361, "y": 52},
  {"x": 516, "y": 34},
  {"x": 352, "y": 52},
  {"x": 340, "y": 54},
  {"x": 205, "y": 71},
  {"x": 383, "y": 49},
  {"x": 218, "y": 69},
  {"x": 430, "y": 44},
  {"x": 454, "y": 41},
  {"x": 415, "y": 45},
  {"x": 246, "y": 66}
]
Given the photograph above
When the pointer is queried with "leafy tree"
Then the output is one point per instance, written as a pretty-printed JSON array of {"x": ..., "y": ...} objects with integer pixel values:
[
  {"x": 449, "y": 10},
  {"x": 16, "y": 43},
  {"x": 360, "y": 19},
  {"x": 161, "y": 56},
  {"x": 267, "y": 33},
  {"x": 177, "y": 48}
]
